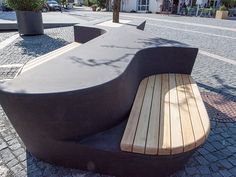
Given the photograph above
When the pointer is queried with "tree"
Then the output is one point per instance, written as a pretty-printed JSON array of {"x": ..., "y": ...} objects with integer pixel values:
[{"x": 116, "y": 11}]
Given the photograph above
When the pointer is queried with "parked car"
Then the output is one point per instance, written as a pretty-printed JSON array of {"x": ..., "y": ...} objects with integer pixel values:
[{"x": 53, "y": 5}]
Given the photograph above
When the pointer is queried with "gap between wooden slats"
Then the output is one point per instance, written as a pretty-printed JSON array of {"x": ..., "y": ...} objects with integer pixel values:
[
  {"x": 194, "y": 113},
  {"x": 175, "y": 122},
  {"x": 154, "y": 120},
  {"x": 142, "y": 129},
  {"x": 130, "y": 130},
  {"x": 186, "y": 123},
  {"x": 164, "y": 135}
]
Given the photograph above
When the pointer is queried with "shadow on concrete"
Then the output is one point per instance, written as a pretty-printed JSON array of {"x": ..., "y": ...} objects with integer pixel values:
[
  {"x": 162, "y": 42},
  {"x": 38, "y": 168}
]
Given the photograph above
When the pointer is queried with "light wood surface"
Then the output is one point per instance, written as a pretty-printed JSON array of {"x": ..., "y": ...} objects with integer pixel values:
[{"x": 168, "y": 117}]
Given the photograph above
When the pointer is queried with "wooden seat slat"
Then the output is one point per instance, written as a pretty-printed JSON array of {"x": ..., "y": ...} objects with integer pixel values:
[
  {"x": 153, "y": 129},
  {"x": 129, "y": 134},
  {"x": 142, "y": 129},
  {"x": 164, "y": 135},
  {"x": 187, "y": 129},
  {"x": 168, "y": 117},
  {"x": 194, "y": 113},
  {"x": 175, "y": 122},
  {"x": 201, "y": 107}
]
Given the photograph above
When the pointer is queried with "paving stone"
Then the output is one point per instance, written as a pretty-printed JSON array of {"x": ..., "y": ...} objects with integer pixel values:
[
  {"x": 232, "y": 149},
  {"x": 203, "y": 151},
  {"x": 19, "y": 151},
  {"x": 15, "y": 146},
  {"x": 22, "y": 157},
  {"x": 216, "y": 175},
  {"x": 226, "y": 164},
  {"x": 225, "y": 173},
  {"x": 24, "y": 163},
  {"x": 13, "y": 141},
  {"x": 233, "y": 171},
  {"x": 232, "y": 160},
  {"x": 16, "y": 169},
  {"x": 209, "y": 147},
  {"x": 3, "y": 145},
  {"x": 204, "y": 170},
  {"x": 191, "y": 170},
  {"x": 220, "y": 155},
  {"x": 3, "y": 170},
  {"x": 211, "y": 157},
  {"x": 215, "y": 167},
  {"x": 202, "y": 160},
  {"x": 12, "y": 163},
  {"x": 6, "y": 155},
  {"x": 218, "y": 145},
  {"x": 10, "y": 137}
]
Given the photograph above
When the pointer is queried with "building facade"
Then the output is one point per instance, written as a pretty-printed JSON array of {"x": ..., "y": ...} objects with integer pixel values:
[{"x": 169, "y": 6}]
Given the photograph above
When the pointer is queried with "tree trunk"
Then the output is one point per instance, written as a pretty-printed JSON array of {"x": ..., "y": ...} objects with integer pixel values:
[{"x": 116, "y": 10}]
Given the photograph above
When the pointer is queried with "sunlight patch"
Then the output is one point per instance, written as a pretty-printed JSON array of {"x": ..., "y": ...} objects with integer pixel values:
[{"x": 113, "y": 25}]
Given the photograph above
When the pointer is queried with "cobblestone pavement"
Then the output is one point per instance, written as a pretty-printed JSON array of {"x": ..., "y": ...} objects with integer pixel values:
[{"x": 217, "y": 157}]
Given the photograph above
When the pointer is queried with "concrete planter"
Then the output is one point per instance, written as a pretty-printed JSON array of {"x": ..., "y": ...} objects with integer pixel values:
[
  {"x": 29, "y": 23},
  {"x": 221, "y": 14}
]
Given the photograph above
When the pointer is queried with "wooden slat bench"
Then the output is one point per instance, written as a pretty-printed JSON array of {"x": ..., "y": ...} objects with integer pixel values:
[{"x": 168, "y": 117}]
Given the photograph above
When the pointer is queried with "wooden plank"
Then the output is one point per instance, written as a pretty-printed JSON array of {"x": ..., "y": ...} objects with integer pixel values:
[
  {"x": 141, "y": 133},
  {"x": 193, "y": 110},
  {"x": 201, "y": 107},
  {"x": 164, "y": 134},
  {"x": 130, "y": 130},
  {"x": 175, "y": 122},
  {"x": 187, "y": 129},
  {"x": 153, "y": 129}
]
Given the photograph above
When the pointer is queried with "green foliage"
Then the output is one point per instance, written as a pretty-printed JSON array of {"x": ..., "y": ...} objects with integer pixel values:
[
  {"x": 232, "y": 3},
  {"x": 223, "y": 8},
  {"x": 229, "y": 3},
  {"x": 90, "y": 2},
  {"x": 26, "y": 5},
  {"x": 101, "y": 4},
  {"x": 63, "y": 2}
]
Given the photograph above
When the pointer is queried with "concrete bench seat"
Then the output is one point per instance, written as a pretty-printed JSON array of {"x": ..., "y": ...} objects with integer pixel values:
[
  {"x": 71, "y": 108},
  {"x": 168, "y": 117}
]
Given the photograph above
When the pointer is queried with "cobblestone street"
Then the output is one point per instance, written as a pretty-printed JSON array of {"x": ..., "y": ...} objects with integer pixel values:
[{"x": 215, "y": 78}]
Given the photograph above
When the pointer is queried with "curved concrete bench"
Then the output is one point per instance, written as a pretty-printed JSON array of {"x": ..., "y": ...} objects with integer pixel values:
[{"x": 72, "y": 110}]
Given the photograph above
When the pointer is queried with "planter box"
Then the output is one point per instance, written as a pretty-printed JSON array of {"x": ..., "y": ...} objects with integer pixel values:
[
  {"x": 29, "y": 23},
  {"x": 221, "y": 14}
]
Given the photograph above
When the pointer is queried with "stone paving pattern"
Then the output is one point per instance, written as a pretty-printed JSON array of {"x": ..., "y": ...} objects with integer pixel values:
[{"x": 216, "y": 158}]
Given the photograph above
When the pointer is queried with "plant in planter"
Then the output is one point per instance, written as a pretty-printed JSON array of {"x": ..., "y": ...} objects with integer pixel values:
[
  {"x": 94, "y": 7},
  {"x": 29, "y": 15},
  {"x": 222, "y": 13}
]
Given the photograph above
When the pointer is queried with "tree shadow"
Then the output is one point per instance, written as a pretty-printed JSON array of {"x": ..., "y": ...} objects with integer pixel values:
[
  {"x": 114, "y": 63},
  {"x": 224, "y": 88},
  {"x": 162, "y": 42}
]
